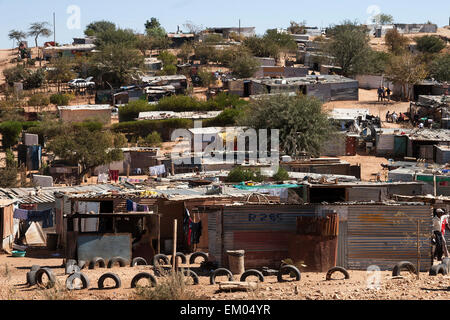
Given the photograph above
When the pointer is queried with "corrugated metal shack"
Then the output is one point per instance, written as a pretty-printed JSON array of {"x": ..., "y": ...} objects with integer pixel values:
[
  {"x": 370, "y": 234},
  {"x": 8, "y": 226},
  {"x": 89, "y": 217}
]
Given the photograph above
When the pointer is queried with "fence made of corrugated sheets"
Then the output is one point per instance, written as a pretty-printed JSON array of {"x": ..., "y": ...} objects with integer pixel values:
[
  {"x": 385, "y": 235},
  {"x": 262, "y": 230}
]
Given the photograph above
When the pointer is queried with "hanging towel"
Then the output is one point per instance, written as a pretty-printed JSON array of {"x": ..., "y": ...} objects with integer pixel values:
[
  {"x": 21, "y": 214},
  {"x": 129, "y": 205}
]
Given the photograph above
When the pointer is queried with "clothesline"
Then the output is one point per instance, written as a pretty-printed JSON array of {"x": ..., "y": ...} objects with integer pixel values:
[{"x": 46, "y": 216}]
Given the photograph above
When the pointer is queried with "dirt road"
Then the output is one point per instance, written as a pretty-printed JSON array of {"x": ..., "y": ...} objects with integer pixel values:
[{"x": 312, "y": 286}]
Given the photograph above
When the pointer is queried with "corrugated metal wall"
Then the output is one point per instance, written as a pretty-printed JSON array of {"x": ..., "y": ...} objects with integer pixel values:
[
  {"x": 262, "y": 231},
  {"x": 385, "y": 235}
]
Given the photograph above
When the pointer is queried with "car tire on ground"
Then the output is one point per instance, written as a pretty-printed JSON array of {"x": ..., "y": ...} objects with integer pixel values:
[
  {"x": 122, "y": 262},
  {"x": 446, "y": 261},
  {"x": 31, "y": 278},
  {"x": 70, "y": 262},
  {"x": 109, "y": 275},
  {"x": 220, "y": 272},
  {"x": 337, "y": 269},
  {"x": 181, "y": 255},
  {"x": 143, "y": 275},
  {"x": 252, "y": 272},
  {"x": 293, "y": 270},
  {"x": 191, "y": 274},
  {"x": 138, "y": 261},
  {"x": 35, "y": 267},
  {"x": 72, "y": 268},
  {"x": 195, "y": 255},
  {"x": 159, "y": 257},
  {"x": 77, "y": 275},
  {"x": 97, "y": 261},
  {"x": 81, "y": 264},
  {"x": 51, "y": 278},
  {"x": 403, "y": 265},
  {"x": 438, "y": 268}
]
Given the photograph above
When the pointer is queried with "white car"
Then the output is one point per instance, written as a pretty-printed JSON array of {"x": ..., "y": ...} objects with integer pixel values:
[{"x": 82, "y": 83}]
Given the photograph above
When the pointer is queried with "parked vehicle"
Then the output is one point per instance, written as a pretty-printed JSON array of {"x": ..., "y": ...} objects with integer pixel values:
[{"x": 82, "y": 83}]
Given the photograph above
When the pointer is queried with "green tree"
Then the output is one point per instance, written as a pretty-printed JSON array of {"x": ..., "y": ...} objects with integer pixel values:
[
  {"x": 206, "y": 53},
  {"x": 374, "y": 64},
  {"x": 297, "y": 27},
  {"x": 144, "y": 43},
  {"x": 213, "y": 38},
  {"x": 207, "y": 77},
  {"x": 61, "y": 71},
  {"x": 406, "y": 71},
  {"x": 429, "y": 44},
  {"x": 302, "y": 124},
  {"x": 157, "y": 33},
  {"x": 284, "y": 41},
  {"x": 152, "y": 140},
  {"x": 395, "y": 41},
  {"x": 117, "y": 64},
  {"x": 8, "y": 174},
  {"x": 10, "y": 131},
  {"x": 98, "y": 27},
  {"x": 85, "y": 147},
  {"x": 440, "y": 68},
  {"x": 262, "y": 47},
  {"x": 281, "y": 175},
  {"x": 124, "y": 37},
  {"x": 383, "y": 19},
  {"x": 185, "y": 52},
  {"x": 38, "y": 29},
  {"x": 349, "y": 45},
  {"x": 240, "y": 174},
  {"x": 245, "y": 66},
  {"x": 16, "y": 35}
]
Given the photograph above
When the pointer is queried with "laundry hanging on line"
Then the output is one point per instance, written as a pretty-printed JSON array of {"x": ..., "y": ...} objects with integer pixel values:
[
  {"x": 136, "y": 207},
  {"x": 46, "y": 216},
  {"x": 192, "y": 230},
  {"x": 157, "y": 170}
]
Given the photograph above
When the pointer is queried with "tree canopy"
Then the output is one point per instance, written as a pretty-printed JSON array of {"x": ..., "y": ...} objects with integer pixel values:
[
  {"x": 98, "y": 27},
  {"x": 429, "y": 44},
  {"x": 87, "y": 146},
  {"x": 406, "y": 71},
  {"x": 349, "y": 45},
  {"x": 117, "y": 64},
  {"x": 302, "y": 123}
]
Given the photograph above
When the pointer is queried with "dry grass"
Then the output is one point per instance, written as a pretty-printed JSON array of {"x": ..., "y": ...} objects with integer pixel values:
[
  {"x": 171, "y": 286},
  {"x": 58, "y": 292}
]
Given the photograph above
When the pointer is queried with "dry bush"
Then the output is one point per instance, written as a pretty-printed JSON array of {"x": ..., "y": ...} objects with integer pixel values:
[
  {"x": 171, "y": 286},
  {"x": 58, "y": 292}
]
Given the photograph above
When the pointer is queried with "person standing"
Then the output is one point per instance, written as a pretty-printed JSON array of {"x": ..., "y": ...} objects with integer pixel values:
[
  {"x": 388, "y": 92},
  {"x": 380, "y": 94},
  {"x": 444, "y": 226},
  {"x": 388, "y": 115},
  {"x": 437, "y": 234}
]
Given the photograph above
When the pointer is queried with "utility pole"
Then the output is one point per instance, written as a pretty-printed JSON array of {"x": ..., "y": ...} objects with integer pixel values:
[
  {"x": 239, "y": 28},
  {"x": 54, "y": 29}
]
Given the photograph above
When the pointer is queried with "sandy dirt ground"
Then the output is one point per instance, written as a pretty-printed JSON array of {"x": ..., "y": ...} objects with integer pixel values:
[{"x": 312, "y": 286}]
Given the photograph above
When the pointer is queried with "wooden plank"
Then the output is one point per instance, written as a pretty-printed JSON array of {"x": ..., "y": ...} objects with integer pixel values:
[{"x": 238, "y": 286}]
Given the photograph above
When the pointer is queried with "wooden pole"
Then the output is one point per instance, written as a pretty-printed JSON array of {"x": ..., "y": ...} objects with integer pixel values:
[
  {"x": 418, "y": 250},
  {"x": 159, "y": 234},
  {"x": 174, "y": 249},
  {"x": 434, "y": 184}
]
